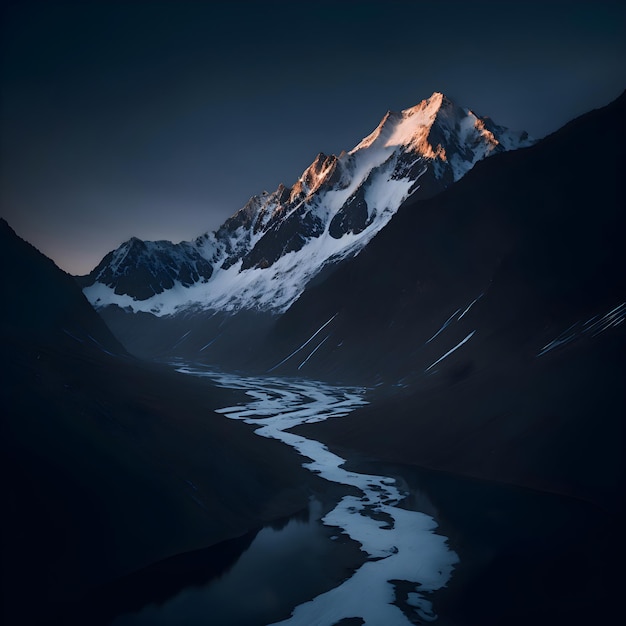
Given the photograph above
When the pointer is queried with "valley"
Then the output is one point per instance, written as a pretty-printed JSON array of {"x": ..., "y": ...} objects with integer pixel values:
[
  {"x": 412, "y": 361},
  {"x": 379, "y": 553}
]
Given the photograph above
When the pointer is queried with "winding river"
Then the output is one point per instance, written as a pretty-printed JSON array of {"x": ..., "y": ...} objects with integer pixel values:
[
  {"x": 376, "y": 556},
  {"x": 401, "y": 546}
]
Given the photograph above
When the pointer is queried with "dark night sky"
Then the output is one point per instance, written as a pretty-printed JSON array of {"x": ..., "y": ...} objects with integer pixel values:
[{"x": 161, "y": 119}]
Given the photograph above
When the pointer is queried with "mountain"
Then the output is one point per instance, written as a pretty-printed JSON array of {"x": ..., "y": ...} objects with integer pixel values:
[
  {"x": 43, "y": 305},
  {"x": 486, "y": 319},
  {"x": 491, "y": 321},
  {"x": 491, "y": 325},
  {"x": 106, "y": 469},
  {"x": 532, "y": 239},
  {"x": 147, "y": 268},
  {"x": 264, "y": 255}
]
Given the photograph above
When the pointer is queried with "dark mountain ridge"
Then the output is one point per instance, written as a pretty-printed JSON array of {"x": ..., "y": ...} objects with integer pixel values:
[
  {"x": 492, "y": 321},
  {"x": 491, "y": 324},
  {"x": 43, "y": 304},
  {"x": 536, "y": 235},
  {"x": 110, "y": 464}
]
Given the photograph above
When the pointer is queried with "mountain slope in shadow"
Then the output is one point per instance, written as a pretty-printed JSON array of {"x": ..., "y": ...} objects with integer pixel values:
[
  {"x": 531, "y": 239},
  {"x": 111, "y": 464},
  {"x": 492, "y": 321}
]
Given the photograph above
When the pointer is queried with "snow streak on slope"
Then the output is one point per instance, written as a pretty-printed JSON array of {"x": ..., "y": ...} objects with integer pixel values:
[
  {"x": 449, "y": 352},
  {"x": 306, "y": 343},
  {"x": 592, "y": 327},
  {"x": 401, "y": 545},
  {"x": 265, "y": 254},
  {"x": 453, "y": 318}
]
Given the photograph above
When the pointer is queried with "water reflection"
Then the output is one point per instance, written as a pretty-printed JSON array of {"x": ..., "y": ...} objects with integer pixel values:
[
  {"x": 527, "y": 557},
  {"x": 401, "y": 545},
  {"x": 284, "y": 566}
]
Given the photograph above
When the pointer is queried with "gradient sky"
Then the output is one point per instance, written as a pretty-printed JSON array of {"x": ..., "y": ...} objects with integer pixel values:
[{"x": 161, "y": 119}]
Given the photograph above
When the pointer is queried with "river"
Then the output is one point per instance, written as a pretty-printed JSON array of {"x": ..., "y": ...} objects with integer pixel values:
[
  {"x": 388, "y": 553},
  {"x": 404, "y": 559}
]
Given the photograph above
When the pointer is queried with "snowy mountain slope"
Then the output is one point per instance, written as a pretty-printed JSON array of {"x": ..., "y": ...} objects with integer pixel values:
[
  {"x": 493, "y": 331},
  {"x": 147, "y": 268},
  {"x": 477, "y": 275},
  {"x": 264, "y": 255}
]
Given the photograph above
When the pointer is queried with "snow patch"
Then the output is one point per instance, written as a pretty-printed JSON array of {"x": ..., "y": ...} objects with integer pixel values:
[
  {"x": 308, "y": 341},
  {"x": 319, "y": 345},
  {"x": 454, "y": 318},
  {"x": 593, "y": 326},
  {"x": 449, "y": 352}
]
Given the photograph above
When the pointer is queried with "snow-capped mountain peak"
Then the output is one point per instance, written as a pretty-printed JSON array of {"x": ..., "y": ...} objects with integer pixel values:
[
  {"x": 264, "y": 255},
  {"x": 319, "y": 172},
  {"x": 408, "y": 127}
]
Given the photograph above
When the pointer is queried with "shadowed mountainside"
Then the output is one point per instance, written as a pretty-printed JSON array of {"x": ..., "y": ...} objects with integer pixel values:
[
  {"x": 111, "y": 464},
  {"x": 536, "y": 235},
  {"x": 490, "y": 320},
  {"x": 516, "y": 273}
]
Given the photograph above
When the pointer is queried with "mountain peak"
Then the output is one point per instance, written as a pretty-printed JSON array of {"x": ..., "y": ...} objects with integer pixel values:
[
  {"x": 410, "y": 126},
  {"x": 135, "y": 242},
  {"x": 319, "y": 172},
  {"x": 265, "y": 254},
  {"x": 436, "y": 101}
]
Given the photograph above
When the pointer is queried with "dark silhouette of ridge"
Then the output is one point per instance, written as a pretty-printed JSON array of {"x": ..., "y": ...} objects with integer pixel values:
[{"x": 111, "y": 464}]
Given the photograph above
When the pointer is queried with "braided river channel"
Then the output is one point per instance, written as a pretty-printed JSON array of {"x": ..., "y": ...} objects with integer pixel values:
[{"x": 387, "y": 545}]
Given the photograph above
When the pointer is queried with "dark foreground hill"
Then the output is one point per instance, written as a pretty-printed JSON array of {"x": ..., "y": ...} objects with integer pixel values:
[
  {"x": 493, "y": 316},
  {"x": 532, "y": 239},
  {"x": 110, "y": 464},
  {"x": 491, "y": 323}
]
